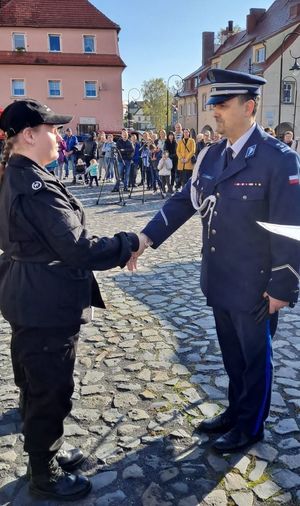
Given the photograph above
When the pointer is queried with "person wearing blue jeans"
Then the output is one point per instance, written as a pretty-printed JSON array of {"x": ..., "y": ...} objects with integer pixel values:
[
  {"x": 71, "y": 142},
  {"x": 125, "y": 154}
]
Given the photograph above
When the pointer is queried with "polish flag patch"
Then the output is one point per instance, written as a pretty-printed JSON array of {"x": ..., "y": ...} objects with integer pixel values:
[{"x": 294, "y": 179}]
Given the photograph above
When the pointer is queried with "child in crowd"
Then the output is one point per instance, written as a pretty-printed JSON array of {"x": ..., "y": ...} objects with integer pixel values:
[
  {"x": 93, "y": 172},
  {"x": 164, "y": 169},
  {"x": 81, "y": 171}
]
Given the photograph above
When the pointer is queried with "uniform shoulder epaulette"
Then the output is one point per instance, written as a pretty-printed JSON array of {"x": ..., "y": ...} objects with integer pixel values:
[
  {"x": 276, "y": 144},
  {"x": 32, "y": 182}
]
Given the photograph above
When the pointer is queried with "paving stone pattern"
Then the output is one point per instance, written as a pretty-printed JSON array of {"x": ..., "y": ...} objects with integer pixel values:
[{"x": 148, "y": 370}]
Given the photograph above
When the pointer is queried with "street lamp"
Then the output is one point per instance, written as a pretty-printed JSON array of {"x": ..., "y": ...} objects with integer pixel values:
[
  {"x": 167, "y": 113},
  {"x": 135, "y": 99},
  {"x": 296, "y": 67},
  {"x": 295, "y": 34}
]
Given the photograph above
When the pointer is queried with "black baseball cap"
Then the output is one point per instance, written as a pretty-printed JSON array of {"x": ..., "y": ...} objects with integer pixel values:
[{"x": 28, "y": 113}]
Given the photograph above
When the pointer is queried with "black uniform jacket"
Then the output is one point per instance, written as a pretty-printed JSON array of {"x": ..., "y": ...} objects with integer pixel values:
[
  {"x": 46, "y": 267},
  {"x": 240, "y": 259}
]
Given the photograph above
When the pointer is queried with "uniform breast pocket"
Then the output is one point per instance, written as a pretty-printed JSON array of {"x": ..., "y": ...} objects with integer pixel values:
[
  {"x": 246, "y": 193},
  {"x": 207, "y": 184}
]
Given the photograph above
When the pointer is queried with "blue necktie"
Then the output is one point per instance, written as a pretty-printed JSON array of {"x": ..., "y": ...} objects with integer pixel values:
[{"x": 228, "y": 157}]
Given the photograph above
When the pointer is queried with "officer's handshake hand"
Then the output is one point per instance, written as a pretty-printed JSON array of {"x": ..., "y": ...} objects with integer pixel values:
[
  {"x": 145, "y": 242},
  {"x": 275, "y": 304}
]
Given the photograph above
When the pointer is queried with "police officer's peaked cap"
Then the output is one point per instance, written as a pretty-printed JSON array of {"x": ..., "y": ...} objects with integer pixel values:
[
  {"x": 227, "y": 84},
  {"x": 28, "y": 113}
]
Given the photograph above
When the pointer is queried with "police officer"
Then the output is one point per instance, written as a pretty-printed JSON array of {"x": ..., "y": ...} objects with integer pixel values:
[
  {"x": 247, "y": 177},
  {"x": 47, "y": 288}
]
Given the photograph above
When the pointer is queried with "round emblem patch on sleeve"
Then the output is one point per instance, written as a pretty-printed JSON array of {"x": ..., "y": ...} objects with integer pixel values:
[{"x": 36, "y": 185}]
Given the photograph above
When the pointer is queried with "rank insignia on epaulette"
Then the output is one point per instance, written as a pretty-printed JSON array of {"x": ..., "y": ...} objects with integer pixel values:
[
  {"x": 250, "y": 151},
  {"x": 282, "y": 147}
]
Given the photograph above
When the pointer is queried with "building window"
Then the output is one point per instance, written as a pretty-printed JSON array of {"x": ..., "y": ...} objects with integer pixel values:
[
  {"x": 54, "y": 42},
  {"x": 194, "y": 109},
  {"x": 54, "y": 88},
  {"x": 19, "y": 41},
  {"x": 181, "y": 110},
  {"x": 215, "y": 64},
  {"x": 89, "y": 44},
  {"x": 18, "y": 87},
  {"x": 260, "y": 54},
  {"x": 288, "y": 92},
  {"x": 90, "y": 89},
  {"x": 204, "y": 100}
]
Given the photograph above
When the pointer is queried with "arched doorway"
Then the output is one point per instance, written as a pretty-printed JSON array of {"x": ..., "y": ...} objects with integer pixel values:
[
  {"x": 283, "y": 127},
  {"x": 207, "y": 127}
]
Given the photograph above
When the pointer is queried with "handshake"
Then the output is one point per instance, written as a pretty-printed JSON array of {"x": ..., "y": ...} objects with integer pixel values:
[{"x": 145, "y": 242}]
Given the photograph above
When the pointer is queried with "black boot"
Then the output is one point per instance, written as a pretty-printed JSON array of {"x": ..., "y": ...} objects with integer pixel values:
[
  {"x": 68, "y": 460},
  {"x": 49, "y": 481}
]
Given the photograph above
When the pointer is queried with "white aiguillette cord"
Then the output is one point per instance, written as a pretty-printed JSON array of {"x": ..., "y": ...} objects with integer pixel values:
[{"x": 206, "y": 206}]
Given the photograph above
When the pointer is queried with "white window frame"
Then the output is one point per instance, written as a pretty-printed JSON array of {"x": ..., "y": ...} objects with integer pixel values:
[
  {"x": 11, "y": 86},
  {"x": 14, "y": 47},
  {"x": 83, "y": 46},
  {"x": 60, "y": 88},
  {"x": 259, "y": 54},
  {"x": 215, "y": 64},
  {"x": 97, "y": 89},
  {"x": 60, "y": 42},
  {"x": 292, "y": 92},
  {"x": 203, "y": 101}
]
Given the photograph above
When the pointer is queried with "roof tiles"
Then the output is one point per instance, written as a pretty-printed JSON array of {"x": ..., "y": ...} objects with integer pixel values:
[{"x": 53, "y": 13}]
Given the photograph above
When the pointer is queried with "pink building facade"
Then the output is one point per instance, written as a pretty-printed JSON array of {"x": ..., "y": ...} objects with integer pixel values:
[{"x": 65, "y": 56}]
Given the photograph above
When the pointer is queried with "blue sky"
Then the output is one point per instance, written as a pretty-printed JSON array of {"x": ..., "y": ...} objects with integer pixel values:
[{"x": 160, "y": 38}]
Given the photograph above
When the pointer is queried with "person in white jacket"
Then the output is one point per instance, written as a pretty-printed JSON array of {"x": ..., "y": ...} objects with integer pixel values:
[{"x": 165, "y": 165}]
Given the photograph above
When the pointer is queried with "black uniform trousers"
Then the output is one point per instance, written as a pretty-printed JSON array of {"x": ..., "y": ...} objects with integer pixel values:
[
  {"x": 247, "y": 355},
  {"x": 43, "y": 364}
]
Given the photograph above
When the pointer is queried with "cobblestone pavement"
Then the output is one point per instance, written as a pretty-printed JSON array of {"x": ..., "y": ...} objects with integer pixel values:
[{"x": 148, "y": 370}]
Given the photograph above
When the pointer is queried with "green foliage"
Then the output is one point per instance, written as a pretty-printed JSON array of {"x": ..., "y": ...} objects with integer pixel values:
[{"x": 155, "y": 101}]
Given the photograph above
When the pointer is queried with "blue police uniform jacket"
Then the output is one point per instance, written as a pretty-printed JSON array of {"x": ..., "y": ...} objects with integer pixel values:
[
  {"x": 46, "y": 276},
  {"x": 240, "y": 259}
]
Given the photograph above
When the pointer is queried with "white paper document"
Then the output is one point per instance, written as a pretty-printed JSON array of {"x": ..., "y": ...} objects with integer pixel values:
[{"x": 291, "y": 231}]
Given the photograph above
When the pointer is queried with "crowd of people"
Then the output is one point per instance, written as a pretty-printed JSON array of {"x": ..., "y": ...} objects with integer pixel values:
[{"x": 162, "y": 161}]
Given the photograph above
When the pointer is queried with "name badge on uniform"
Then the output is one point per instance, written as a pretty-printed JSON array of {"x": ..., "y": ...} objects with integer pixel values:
[{"x": 250, "y": 151}]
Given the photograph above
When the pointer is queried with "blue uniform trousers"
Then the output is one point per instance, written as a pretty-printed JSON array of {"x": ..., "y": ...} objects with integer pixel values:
[{"x": 247, "y": 354}]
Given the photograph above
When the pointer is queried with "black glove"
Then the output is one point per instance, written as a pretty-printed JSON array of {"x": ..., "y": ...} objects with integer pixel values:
[{"x": 261, "y": 310}]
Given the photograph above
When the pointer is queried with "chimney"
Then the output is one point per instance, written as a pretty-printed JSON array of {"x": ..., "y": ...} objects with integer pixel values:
[
  {"x": 230, "y": 27},
  {"x": 208, "y": 46},
  {"x": 253, "y": 17}
]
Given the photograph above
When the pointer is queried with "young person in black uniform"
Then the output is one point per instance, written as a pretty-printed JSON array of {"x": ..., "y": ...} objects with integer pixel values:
[
  {"x": 47, "y": 288},
  {"x": 247, "y": 177}
]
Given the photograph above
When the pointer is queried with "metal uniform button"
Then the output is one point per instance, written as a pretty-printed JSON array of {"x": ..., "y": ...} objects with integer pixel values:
[
  {"x": 45, "y": 348},
  {"x": 245, "y": 197},
  {"x": 212, "y": 249},
  {"x": 215, "y": 213},
  {"x": 262, "y": 271},
  {"x": 213, "y": 231},
  {"x": 218, "y": 194}
]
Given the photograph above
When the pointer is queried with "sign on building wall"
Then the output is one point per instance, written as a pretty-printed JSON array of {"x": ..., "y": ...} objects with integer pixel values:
[{"x": 87, "y": 121}]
